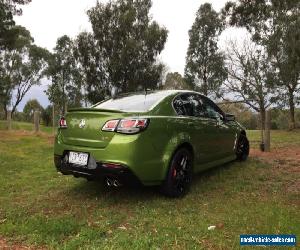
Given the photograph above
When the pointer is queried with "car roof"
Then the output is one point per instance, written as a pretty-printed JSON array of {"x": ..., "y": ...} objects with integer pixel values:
[
  {"x": 160, "y": 94},
  {"x": 167, "y": 92}
]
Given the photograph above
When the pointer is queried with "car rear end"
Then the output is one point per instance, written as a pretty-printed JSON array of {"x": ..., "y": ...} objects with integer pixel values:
[{"x": 112, "y": 144}]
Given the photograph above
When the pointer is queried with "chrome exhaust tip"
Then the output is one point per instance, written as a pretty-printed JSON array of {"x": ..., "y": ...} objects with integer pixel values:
[
  {"x": 116, "y": 183},
  {"x": 109, "y": 182}
]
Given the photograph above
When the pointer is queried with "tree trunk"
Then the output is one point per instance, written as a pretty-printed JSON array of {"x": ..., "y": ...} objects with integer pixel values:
[
  {"x": 5, "y": 110},
  {"x": 8, "y": 117},
  {"x": 36, "y": 119},
  {"x": 292, "y": 124},
  {"x": 205, "y": 87},
  {"x": 267, "y": 138},
  {"x": 66, "y": 108},
  {"x": 262, "y": 123},
  {"x": 53, "y": 118}
]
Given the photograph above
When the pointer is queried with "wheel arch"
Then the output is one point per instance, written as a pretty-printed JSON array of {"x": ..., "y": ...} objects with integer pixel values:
[
  {"x": 186, "y": 145},
  {"x": 243, "y": 132},
  {"x": 183, "y": 144}
]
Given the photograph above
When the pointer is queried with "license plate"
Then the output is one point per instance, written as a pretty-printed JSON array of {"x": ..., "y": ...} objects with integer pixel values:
[{"x": 78, "y": 158}]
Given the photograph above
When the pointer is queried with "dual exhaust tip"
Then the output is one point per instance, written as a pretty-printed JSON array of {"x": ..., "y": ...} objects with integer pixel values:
[{"x": 111, "y": 182}]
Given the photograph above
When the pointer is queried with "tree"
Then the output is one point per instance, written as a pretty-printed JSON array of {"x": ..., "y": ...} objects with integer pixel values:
[
  {"x": 242, "y": 113},
  {"x": 275, "y": 25},
  {"x": 30, "y": 107},
  {"x": 8, "y": 8},
  {"x": 65, "y": 89},
  {"x": 204, "y": 62},
  {"x": 250, "y": 77},
  {"x": 47, "y": 115},
  {"x": 86, "y": 54},
  {"x": 21, "y": 67},
  {"x": 175, "y": 81},
  {"x": 122, "y": 51}
]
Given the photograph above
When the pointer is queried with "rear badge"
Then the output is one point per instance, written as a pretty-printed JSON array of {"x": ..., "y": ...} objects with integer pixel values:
[{"x": 82, "y": 123}]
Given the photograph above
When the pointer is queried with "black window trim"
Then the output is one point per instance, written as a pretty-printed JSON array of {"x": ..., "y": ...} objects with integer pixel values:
[
  {"x": 202, "y": 96},
  {"x": 214, "y": 105}
]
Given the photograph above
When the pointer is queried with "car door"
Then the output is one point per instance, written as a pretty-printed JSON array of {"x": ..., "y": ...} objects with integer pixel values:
[
  {"x": 224, "y": 132},
  {"x": 199, "y": 126}
]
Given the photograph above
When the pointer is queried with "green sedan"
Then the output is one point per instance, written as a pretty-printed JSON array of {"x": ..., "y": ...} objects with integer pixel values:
[{"x": 155, "y": 138}]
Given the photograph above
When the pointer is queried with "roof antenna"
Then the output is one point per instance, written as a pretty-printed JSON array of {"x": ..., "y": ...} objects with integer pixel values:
[
  {"x": 145, "y": 95},
  {"x": 146, "y": 90},
  {"x": 114, "y": 92}
]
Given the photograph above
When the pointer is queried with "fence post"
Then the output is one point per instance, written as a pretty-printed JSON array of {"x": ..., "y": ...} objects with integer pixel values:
[
  {"x": 267, "y": 131},
  {"x": 53, "y": 119},
  {"x": 36, "y": 121},
  {"x": 9, "y": 120}
]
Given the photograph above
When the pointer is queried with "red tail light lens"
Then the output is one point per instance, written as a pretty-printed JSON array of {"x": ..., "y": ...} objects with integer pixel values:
[
  {"x": 63, "y": 123},
  {"x": 126, "y": 126},
  {"x": 110, "y": 125},
  {"x": 112, "y": 165},
  {"x": 132, "y": 126}
]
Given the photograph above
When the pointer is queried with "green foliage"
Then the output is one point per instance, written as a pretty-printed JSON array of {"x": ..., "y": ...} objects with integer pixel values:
[
  {"x": 205, "y": 69},
  {"x": 175, "y": 81},
  {"x": 30, "y": 107},
  {"x": 46, "y": 115},
  {"x": 121, "y": 53},
  {"x": 8, "y": 34},
  {"x": 242, "y": 113},
  {"x": 21, "y": 67},
  {"x": 66, "y": 87},
  {"x": 19, "y": 117},
  {"x": 279, "y": 118}
]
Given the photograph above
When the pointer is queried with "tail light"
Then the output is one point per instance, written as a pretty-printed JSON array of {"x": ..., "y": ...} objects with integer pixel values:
[
  {"x": 63, "y": 123},
  {"x": 126, "y": 126},
  {"x": 112, "y": 165},
  {"x": 110, "y": 125}
]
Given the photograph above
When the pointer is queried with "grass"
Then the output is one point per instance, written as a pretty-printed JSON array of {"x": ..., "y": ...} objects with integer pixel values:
[
  {"x": 40, "y": 208},
  {"x": 24, "y": 126},
  {"x": 279, "y": 138}
]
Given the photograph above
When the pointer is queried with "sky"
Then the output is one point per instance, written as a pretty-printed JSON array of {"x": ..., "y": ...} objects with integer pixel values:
[{"x": 49, "y": 19}]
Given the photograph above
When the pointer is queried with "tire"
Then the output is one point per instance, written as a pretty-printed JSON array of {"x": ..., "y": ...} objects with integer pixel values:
[
  {"x": 242, "y": 149},
  {"x": 179, "y": 175}
]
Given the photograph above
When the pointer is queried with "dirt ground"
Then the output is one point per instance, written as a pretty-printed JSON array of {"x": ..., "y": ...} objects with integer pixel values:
[
  {"x": 285, "y": 154},
  {"x": 4, "y": 245},
  {"x": 287, "y": 159},
  {"x": 285, "y": 162}
]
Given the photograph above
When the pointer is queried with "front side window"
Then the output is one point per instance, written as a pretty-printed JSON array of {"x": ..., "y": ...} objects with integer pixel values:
[
  {"x": 212, "y": 110},
  {"x": 196, "y": 105}
]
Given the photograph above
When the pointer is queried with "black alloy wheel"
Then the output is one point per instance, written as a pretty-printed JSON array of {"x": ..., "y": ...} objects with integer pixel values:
[
  {"x": 243, "y": 148},
  {"x": 179, "y": 175}
]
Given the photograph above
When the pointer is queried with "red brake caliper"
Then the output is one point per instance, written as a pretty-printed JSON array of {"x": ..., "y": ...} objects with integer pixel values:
[{"x": 174, "y": 173}]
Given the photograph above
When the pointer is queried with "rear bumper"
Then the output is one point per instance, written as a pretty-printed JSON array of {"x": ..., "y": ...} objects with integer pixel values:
[
  {"x": 136, "y": 153},
  {"x": 97, "y": 171}
]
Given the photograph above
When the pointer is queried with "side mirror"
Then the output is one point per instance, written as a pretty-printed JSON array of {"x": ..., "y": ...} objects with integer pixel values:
[{"x": 229, "y": 118}]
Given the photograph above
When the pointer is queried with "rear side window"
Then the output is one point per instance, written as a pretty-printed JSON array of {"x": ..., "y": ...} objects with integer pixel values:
[
  {"x": 134, "y": 103},
  {"x": 189, "y": 105},
  {"x": 178, "y": 106}
]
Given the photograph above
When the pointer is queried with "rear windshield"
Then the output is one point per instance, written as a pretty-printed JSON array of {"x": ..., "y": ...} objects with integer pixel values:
[{"x": 134, "y": 103}]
